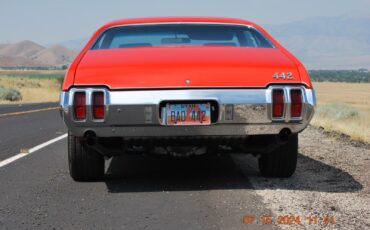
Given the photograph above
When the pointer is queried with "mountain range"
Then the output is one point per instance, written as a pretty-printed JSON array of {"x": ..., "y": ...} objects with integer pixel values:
[
  {"x": 327, "y": 42},
  {"x": 341, "y": 42},
  {"x": 28, "y": 54}
]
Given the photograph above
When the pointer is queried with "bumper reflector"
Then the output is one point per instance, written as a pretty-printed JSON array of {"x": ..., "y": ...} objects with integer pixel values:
[
  {"x": 296, "y": 104},
  {"x": 79, "y": 105},
  {"x": 277, "y": 103},
  {"x": 98, "y": 105}
]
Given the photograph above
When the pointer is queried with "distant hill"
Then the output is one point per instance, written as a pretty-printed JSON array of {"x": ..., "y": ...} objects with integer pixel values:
[
  {"x": 28, "y": 54},
  {"x": 26, "y": 49},
  {"x": 327, "y": 43},
  {"x": 19, "y": 62},
  {"x": 55, "y": 55},
  {"x": 75, "y": 45}
]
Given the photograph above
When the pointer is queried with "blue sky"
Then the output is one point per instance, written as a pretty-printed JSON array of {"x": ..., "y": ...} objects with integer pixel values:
[{"x": 53, "y": 21}]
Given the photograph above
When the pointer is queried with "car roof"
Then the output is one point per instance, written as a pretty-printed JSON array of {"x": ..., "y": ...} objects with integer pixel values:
[{"x": 177, "y": 19}]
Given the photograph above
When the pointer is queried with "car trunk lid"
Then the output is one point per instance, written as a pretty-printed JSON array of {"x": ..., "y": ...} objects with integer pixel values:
[{"x": 183, "y": 67}]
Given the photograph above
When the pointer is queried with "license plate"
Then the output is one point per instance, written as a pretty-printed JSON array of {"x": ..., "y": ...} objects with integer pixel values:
[{"x": 188, "y": 114}]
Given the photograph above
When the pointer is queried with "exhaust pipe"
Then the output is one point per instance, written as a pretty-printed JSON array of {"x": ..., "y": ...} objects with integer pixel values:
[
  {"x": 283, "y": 136},
  {"x": 90, "y": 138}
]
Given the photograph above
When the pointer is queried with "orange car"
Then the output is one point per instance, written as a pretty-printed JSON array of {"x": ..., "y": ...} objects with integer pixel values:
[{"x": 185, "y": 86}]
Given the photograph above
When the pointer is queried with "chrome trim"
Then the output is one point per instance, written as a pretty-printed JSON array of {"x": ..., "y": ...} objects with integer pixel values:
[
  {"x": 221, "y": 130},
  {"x": 137, "y": 112},
  {"x": 192, "y": 87}
]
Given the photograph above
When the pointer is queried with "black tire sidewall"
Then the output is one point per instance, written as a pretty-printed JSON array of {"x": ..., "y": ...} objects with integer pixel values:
[
  {"x": 282, "y": 161},
  {"x": 85, "y": 164}
]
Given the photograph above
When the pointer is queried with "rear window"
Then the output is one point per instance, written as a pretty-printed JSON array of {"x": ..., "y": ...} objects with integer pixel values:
[{"x": 181, "y": 35}]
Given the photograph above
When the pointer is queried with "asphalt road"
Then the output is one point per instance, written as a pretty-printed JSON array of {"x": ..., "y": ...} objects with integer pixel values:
[
  {"x": 25, "y": 126},
  {"x": 12, "y": 108},
  {"x": 139, "y": 192}
]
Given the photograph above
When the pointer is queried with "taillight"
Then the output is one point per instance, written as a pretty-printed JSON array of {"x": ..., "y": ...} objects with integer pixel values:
[
  {"x": 296, "y": 103},
  {"x": 277, "y": 103},
  {"x": 79, "y": 105},
  {"x": 98, "y": 105}
]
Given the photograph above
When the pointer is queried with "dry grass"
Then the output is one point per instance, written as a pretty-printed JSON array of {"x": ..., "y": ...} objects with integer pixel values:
[
  {"x": 345, "y": 108},
  {"x": 354, "y": 94},
  {"x": 32, "y": 89}
]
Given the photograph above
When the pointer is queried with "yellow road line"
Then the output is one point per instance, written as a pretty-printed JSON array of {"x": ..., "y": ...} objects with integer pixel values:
[{"x": 28, "y": 111}]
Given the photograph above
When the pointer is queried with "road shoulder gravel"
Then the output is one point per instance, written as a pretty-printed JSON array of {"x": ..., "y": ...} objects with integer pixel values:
[{"x": 332, "y": 180}]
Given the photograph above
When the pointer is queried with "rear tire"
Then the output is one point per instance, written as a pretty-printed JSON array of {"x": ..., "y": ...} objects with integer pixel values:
[
  {"x": 282, "y": 161},
  {"x": 85, "y": 164}
]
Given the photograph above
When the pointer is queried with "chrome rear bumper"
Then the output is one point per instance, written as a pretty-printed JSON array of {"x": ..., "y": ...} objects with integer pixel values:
[{"x": 137, "y": 113}]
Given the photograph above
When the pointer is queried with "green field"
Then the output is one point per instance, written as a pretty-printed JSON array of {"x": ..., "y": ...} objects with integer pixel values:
[
  {"x": 352, "y": 76},
  {"x": 33, "y": 74},
  {"x": 46, "y": 74}
]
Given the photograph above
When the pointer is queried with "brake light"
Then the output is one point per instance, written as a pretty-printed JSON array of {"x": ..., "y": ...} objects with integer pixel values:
[
  {"x": 296, "y": 105},
  {"x": 277, "y": 103},
  {"x": 98, "y": 105},
  {"x": 79, "y": 105}
]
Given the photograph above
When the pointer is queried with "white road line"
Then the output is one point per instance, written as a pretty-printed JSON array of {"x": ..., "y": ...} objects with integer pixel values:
[{"x": 31, "y": 150}]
